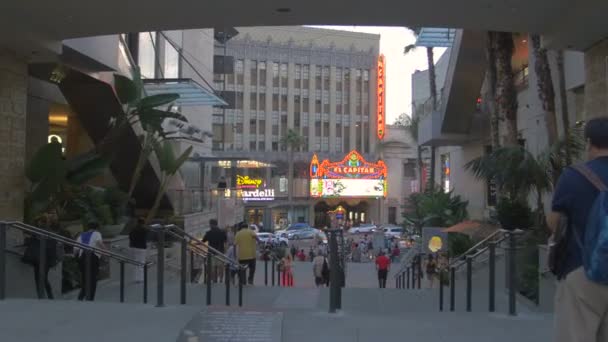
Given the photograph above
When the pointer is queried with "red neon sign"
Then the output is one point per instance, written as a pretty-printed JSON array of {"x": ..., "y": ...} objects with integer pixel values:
[{"x": 381, "y": 96}]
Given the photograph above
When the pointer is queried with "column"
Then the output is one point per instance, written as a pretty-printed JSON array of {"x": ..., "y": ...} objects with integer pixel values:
[
  {"x": 13, "y": 100},
  {"x": 247, "y": 105},
  {"x": 596, "y": 84},
  {"x": 332, "y": 109},
  {"x": 352, "y": 109}
]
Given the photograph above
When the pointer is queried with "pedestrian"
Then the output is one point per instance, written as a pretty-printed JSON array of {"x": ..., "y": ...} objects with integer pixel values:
[
  {"x": 311, "y": 254},
  {"x": 245, "y": 241},
  {"x": 320, "y": 270},
  {"x": 383, "y": 265},
  {"x": 138, "y": 244},
  {"x": 581, "y": 301},
  {"x": 91, "y": 237},
  {"x": 231, "y": 254},
  {"x": 287, "y": 274},
  {"x": 395, "y": 253},
  {"x": 431, "y": 270},
  {"x": 293, "y": 251},
  {"x": 301, "y": 255},
  {"x": 356, "y": 254},
  {"x": 216, "y": 239}
]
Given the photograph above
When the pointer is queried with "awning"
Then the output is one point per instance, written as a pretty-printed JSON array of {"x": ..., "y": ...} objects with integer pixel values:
[
  {"x": 190, "y": 92},
  {"x": 436, "y": 37},
  {"x": 474, "y": 229}
]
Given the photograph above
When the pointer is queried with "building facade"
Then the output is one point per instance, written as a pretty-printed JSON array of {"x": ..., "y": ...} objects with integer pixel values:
[{"x": 319, "y": 83}]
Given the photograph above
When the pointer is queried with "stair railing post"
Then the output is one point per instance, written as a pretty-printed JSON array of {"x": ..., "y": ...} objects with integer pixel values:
[
  {"x": 41, "y": 266},
  {"x": 441, "y": 273},
  {"x": 160, "y": 266},
  {"x": 334, "y": 286},
  {"x": 469, "y": 282},
  {"x": 512, "y": 262},
  {"x": 419, "y": 271},
  {"x": 265, "y": 270},
  {"x": 122, "y": 281},
  {"x": 183, "y": 270},
  {"x": 492, "y": 280},
  {"x": 227, "y": 283},
  {"x": 241, "y": 281},
  {"x": 408, "y": 278},
  {"x": 3, "y": 228},
  {"x": 209, "y": 274},
  {"x": 145, "y": 285},
  {"x": 452, "y": 288},
  {"x": 273, "y": 270},
  {"x": 88, "y": 274}
]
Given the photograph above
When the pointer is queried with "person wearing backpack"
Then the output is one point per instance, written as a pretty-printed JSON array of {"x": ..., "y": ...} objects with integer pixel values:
[
  {"x": 320, "y": 269},
  {"x": 579, "y": 245},
  {"x": 91, "y": 237},
  {"x": 31, "y": 256}
]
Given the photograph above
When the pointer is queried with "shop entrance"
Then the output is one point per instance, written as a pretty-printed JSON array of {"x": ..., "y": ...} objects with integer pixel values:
[{"x": 339, "y": 212}]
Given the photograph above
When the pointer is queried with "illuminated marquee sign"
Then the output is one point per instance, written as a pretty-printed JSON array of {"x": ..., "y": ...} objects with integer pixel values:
[
  {"x": 253, "y": 189},
  {"x": 381, "y": 97},
  {"x": 351, "y": 177}
]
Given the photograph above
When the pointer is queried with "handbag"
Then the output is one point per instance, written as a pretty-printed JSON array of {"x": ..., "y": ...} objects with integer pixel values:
[{"x": 558, "y": 245}]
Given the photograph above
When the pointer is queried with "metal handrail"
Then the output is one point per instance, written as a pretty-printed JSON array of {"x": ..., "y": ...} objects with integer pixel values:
[
  {"x": 475, "y": 247},
  {"x": 214, "y": 252},
  {"x": 406, "y": 264},
  {"x": 41, "y": 232},
  {"x": 457, "y": 263}
]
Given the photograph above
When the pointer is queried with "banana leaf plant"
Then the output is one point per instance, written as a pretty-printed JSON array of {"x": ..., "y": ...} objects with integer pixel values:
[
  {"x": 56, "y": 180},
  {"x": 169, "y": 166}
]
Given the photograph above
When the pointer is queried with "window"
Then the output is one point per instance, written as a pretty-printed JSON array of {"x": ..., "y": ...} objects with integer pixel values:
[
  {"x": 318, "y": 77},
  {"x": 283, "y": 119},
  {"x": 346, "y": 145},
  {"x": 252, "y": 146},
  {"x": 252, "y": 127},
  {"x": 284, "y": 102},
  {"x": 409, "y": 170},
  {"x": 275, "y": 102},
  {"x": 325, "y": 101},
  {"x": 147, "y": 54},
  {"x": 297, "y": 82},
  {"x": 262, "y": 101},
  {"x": 338, "y": 78},
  {"x": 254, "y": 72},
  {"x": 275, "y": 130},
  {"x": 262, "y": 67},
  {"x": 366, "y": 137},
  {"x": 253, "y": 101},
  {"x": 318, "y": 128},
  {"x": 284, "y": 75},
  {"x": 275, "y": 74},
  {"x": 305, "y": 104},
  {"x": 366, "y": 81},
  {"x": 306, "y": 76},
  {"x": 358, "y": 103},
  {"x": 261, "y": 145},
  {"x": 338, "y": 102},
  {"x": 262, "y": 127},
  {"x": 346, "y": 79},
  {"x": 318, "y": 101},
  {"x": 171, "y": 67},
  {"x": 239, "y": 128},
  {"x": 275, "y": 145},
  {"x": 338, "y": 130},
  {"x": 239, "y": 70},
  {"x": 239, "y": 100},
  {"x": 296, "y": 119},
  {"x": 326, "y": 77},
  {"x": 326, "y": 129}
]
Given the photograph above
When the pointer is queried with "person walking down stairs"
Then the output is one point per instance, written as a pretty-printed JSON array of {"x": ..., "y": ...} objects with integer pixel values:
[
  {"x": 383, "y": 264},
  {"x": 287, "y": 274}
]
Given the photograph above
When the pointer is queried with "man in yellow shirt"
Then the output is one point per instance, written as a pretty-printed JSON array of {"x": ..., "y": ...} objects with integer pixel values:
[{"x": 246, "y": 241}]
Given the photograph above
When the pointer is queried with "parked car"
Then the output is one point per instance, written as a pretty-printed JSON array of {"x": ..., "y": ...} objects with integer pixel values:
[
  {"x": 265, "y": 238},
  {"x": 297, "y": 226},
  {"x": 322, "y": 236},
  {"x": 302, "y": 233},
  {"x": 282, "y": 241},
  {"x": 393, "y": 231},
  {"x": 365, "y": 228}
]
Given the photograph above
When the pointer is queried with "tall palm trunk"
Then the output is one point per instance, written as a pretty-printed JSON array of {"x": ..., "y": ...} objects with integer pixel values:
[
  {"x": 506, "y": 94},
  {"x": 546, "y": 93},
  {"x": 420, "y": 168},
  {"x": 432, "y": 77},
  {"x": 490, "y": 94},
  {"x": 563, "y": 99}
]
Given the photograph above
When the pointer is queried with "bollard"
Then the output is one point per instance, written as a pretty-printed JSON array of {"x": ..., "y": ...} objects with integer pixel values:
[
  {"x": 469, "y": 282},
  {"x": 265, "y": 270},
  {"x": 441, "y": 273},
  {"x": 452, "y": 288},
  {"x": 273, "y": 269},
  {"x": 419, "y": 265},
  {"x": 122, "y": 281},
  {"x": 183, "y": 273},
  {"x": 209, "y": 275},
  {"x": 227, "y": 283},
  {"x": 408, "y": 277},
  {"x": 160, "y": 276},
  {"x": 241, "y": 280},
  {"x": 279, "y": 275},
  {"x": 398, "y": 282},
  {"x": 492, "y": 299},
  {"x": 3, "y": 228},
  {"x": 334, "y": 286},
  {"x": 403, "y": 279},
  {"x": 145, "y": 283},
  {"x": 512, "y": 274},
  {"x": 192, "y": 275},
  {"x": 41, "y": 267}
]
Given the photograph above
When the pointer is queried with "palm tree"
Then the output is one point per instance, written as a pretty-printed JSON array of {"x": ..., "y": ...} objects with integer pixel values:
[
  {"x": 545, "y": 87},
  {"x": 292, "y": 141},
  {"x": 430, "y": 59},
  {"x": 506, "y": 94},
  {"x": 490, "y": 95},
  {"x": 563, "y": 97}
]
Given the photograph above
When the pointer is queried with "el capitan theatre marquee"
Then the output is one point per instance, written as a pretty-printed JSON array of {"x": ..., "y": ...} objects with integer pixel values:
[{"x": 351, "y": 177}]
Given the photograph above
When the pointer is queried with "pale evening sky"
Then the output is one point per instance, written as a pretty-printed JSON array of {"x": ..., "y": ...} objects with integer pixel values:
[{"x": 399, "y": 67}]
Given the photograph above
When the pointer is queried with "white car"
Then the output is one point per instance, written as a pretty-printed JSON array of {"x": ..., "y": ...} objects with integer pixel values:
[
  {"x": 282, "y": 241},
  {"x": 393, "y": 231},
  {"x": 265, "y": 237},
  {"x": 363, "y": 229}
]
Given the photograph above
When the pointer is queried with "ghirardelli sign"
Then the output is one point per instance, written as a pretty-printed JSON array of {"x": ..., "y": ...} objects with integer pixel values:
[{"x": 257, "y": 195}]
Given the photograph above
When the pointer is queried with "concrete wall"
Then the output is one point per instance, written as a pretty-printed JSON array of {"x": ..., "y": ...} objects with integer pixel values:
[
  {"x": 103, "y": 49},
  {"x": 397, "y": 148},
  {"x": 420, "y": 80},
  {"x": 596, "y": 86},
  {"x": 13, "y": 100}
]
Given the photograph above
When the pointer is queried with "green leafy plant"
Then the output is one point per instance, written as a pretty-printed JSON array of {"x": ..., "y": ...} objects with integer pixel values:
[
  {"x": 435, "y": 208},
  {"x": 55, "y": 181},
  {"x": 514, "y": 214},
  {"x": 169, "y": 166}
]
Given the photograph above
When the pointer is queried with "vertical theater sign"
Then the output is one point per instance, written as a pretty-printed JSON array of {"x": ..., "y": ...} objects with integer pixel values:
[
  {"x": 351, "y": 177},
  {"x": 381, "y": 97}
]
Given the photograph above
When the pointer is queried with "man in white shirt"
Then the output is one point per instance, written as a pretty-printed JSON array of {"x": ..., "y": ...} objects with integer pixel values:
[{"x": 92, "y": 237}]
